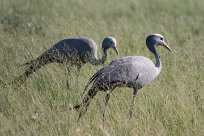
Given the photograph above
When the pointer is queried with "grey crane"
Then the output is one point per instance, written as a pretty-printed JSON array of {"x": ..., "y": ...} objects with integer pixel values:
[
  {"x": 73, "y": 52},
  {"x": 130, "y": 71}
]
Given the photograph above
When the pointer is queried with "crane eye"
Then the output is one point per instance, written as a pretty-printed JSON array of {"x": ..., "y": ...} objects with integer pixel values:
[
  {"x": 111, "y": 42},
  {"x": 161, "y": 38}
]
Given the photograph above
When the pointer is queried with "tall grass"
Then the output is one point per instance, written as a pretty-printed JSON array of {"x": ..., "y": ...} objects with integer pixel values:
[{"x": 171, "y": 105}]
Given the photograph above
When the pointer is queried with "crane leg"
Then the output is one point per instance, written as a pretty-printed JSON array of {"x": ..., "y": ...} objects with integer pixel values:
[
  {"x": 132, "y": 103},
  {"x": 78, "y": 73},
  {"x": 107, "y": 100},
  {"x": 106, "y": 103},
  {"x": 68, "y": 77}
]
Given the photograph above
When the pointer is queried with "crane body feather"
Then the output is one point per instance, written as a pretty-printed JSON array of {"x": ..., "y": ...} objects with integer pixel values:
[
  {"x": 75, "y": 48},
  {"x": 130, "y": 71}
]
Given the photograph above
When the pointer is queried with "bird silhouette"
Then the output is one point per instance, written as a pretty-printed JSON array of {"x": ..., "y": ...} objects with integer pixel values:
[
  {"x": 72, "y": 52},
  {"x": 130, "y": 71}
]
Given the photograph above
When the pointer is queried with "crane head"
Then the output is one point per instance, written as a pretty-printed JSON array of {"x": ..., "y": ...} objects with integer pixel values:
[
  {"x": 109, "y": 42},
  {"x": 156, "y": 39}
]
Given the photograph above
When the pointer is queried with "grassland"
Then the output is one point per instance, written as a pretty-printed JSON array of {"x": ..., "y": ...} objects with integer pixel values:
[{"x": 172, "y": 105}]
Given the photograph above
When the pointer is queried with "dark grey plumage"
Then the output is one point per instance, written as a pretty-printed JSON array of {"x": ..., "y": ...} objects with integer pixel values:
[
  {"x": 131, "y": 71},
  {"x": 72, "y": 52}
]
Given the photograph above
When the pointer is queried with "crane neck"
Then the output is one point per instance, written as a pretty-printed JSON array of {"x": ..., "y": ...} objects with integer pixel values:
[
  {"x": 152, "y": 48},
  {"x": 104, "y": 57},
  {"x": 100, "y": 61},
  {"x": 151, "y": 45},
  {"x": 158, "y": 63}
]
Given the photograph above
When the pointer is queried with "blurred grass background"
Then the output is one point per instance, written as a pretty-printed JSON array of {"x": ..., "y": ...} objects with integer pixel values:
[{"x": 171, "y": 105}]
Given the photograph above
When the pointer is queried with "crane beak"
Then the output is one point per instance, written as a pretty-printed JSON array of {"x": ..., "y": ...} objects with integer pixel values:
[
  {"x": 166, "y": 45},
  {"x": 115, "y": 50}
]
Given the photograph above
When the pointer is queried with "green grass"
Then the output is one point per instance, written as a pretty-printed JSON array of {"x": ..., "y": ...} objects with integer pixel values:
[{"x": 171, "y": 105}]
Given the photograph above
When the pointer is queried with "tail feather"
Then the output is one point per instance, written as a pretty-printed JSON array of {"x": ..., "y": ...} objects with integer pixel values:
[
  {"x": 91, "y": 80},
  {"x": 22, "y": 78},
  {"x": 87, "y": 99},
  {"x": 27, "y": 63},
  {"x": 86, "y": 102},
  {"x": 34, "y": 66}
]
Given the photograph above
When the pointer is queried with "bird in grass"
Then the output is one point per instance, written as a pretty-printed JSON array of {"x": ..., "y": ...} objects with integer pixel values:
[
  {"x": 72, "y": 52},
  {"x": 130, "y": 71}
]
